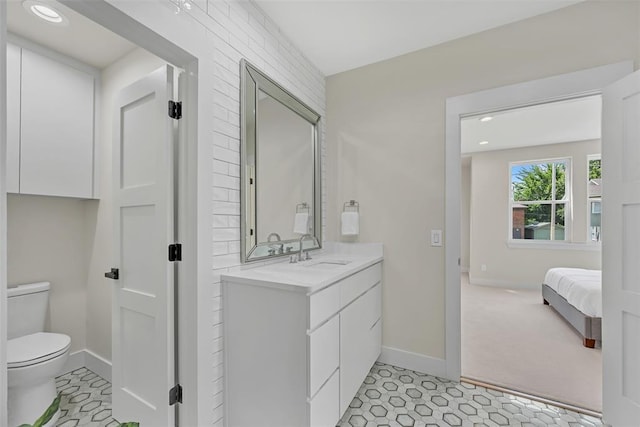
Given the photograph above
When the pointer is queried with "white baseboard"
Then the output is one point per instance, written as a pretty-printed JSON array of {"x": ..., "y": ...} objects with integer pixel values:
[
  {"x": 413, "y": 361},
  {"x": 98, "y": 365},
  {"x": 497, "y": 283},
  {"x": 88, "y": 359},
  {"x": 75, "y": 361}
]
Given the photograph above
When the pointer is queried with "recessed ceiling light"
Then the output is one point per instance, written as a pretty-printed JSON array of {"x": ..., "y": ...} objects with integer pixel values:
[
  {"x": 486, "y": 119},
  {"x": 45, "y": 11},
  {"x": 483, "y": 142}
]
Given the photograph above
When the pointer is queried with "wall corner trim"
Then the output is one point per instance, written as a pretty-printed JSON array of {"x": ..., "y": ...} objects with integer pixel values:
[
  {"x": 88, "y": 359},
  {"x": 413, "y": 361}
]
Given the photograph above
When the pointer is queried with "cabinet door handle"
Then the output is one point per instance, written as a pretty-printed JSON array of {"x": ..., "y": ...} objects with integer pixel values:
[{"x": 114, "y": 274}]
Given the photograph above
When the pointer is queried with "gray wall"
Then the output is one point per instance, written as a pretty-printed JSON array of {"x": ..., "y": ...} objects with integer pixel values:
[
  {"x": 46, "y": 243},
  {"x": 524, "y": 267},
  {"x": 386, "y": 142}
]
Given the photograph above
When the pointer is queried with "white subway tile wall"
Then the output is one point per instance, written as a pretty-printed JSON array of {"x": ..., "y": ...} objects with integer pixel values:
[{"x": 239, "y": 29}]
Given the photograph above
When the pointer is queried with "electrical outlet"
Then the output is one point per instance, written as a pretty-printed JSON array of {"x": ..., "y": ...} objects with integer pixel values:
[{"x": 483, "y": 267}]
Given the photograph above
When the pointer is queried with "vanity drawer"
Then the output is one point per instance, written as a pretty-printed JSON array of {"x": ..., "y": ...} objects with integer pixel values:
[
  {"x": 374, "y": 321},
  {"x": 324, "y": 353},
  {"x": 374, "y": 342},
  {"x": 353, "y": 286},
  {"x": 374, "y": 304},
  {"x": 324, "y": 409},
  {"x": 323, "y": 305}
]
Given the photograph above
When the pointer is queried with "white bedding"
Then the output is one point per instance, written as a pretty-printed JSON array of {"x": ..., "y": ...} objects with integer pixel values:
[{"x": 581, "y": 288}]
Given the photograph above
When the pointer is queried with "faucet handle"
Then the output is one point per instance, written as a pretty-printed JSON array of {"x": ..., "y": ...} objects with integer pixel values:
[
  {"x": 307, "y": 255},
  {"x": 293, "y": 259}
]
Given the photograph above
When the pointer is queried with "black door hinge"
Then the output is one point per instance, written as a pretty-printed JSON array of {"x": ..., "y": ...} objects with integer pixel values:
[
  {"x": 175, "y": 395},
  {"x": 175, "y": 252},
  {"x": 175, "y": 110}
]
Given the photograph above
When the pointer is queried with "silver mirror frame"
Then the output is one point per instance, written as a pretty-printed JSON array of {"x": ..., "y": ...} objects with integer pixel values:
[{"x": 253, "y": 80}]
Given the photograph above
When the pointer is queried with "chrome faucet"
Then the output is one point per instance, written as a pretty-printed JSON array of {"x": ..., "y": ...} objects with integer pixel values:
[
  {"x": 279, "y": 245},
  {"x": 304, "y": 236}
]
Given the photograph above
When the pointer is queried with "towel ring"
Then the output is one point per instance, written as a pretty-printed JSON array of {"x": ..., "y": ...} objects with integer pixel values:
[
  {"x": 302, "y": 207},
  {"x": 351, "y": 204}
]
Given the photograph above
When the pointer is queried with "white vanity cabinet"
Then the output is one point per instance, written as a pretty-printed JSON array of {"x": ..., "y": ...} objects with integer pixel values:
[
  {"x": 294, "y": 355},
  {"x": 50, "y": 125}
]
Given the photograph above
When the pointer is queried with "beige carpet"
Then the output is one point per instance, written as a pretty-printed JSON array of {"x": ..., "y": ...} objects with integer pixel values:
[{"x": 510, "y": 339}]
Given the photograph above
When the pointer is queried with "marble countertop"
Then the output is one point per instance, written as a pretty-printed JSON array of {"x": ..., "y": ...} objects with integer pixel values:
[{"x": 334, "y": 263}]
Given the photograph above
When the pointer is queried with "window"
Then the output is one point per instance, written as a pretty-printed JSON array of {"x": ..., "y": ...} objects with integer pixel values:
[
  {"x": 540, "y": 200},
  {"x": 594, "y": 197}
]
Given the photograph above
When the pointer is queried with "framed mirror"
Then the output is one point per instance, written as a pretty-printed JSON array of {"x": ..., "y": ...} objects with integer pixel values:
[{"x": 280, "y": 195}]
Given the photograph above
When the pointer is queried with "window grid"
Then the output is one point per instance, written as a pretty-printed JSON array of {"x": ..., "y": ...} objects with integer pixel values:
[
  {"x": 594, "y": 199},
  {"x": 554, "y": 202}
]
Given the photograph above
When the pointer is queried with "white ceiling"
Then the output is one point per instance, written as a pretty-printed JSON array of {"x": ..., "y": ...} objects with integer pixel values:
[
  {"x": 82, "y": 39},
  {"x": 339, "y": 35},
  {"x": 336, "y": 35},
  {"x": 556, "y": 122},
  {"x": 342, "y": 34}
]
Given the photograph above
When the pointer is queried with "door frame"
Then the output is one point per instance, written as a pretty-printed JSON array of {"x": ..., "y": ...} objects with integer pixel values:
[
  {"x": 3, "y": 214},
  {"x": 181, "y": 41},
  {"x": 556, "y": 88}
]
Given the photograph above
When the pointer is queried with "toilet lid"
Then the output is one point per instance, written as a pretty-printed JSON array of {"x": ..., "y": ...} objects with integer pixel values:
[{"x": 35, "y": 348}]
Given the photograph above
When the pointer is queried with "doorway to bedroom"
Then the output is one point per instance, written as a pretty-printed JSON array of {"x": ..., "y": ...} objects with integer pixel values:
[{"x": 530, "y": 209}]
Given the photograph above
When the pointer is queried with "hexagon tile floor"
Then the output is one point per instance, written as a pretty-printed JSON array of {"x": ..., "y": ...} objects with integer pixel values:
[
  {"x": 390, "y": 396},
  {"x": 86, "y": 400},
  {"x": 396, "y": 397}
]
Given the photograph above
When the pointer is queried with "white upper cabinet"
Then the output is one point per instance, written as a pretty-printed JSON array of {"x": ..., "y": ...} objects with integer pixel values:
[
  {"x": 13, "y": 118},
  {"x": 55, "y": 112}
]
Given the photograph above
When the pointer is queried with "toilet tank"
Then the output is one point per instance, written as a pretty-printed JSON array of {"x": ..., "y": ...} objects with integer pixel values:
[{"x": 27, "y": 309}]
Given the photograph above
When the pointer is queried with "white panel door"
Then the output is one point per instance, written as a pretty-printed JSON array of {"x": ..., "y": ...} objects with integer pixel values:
[
  {"x": 143, "y": 346},
  {"x": 13, "y": 118},
  {"x": 621, "y": 252},
  {"x": 56, "y": 128}
]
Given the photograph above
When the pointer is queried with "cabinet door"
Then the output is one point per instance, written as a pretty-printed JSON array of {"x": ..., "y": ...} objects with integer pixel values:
[
  {"x": 13, "y": 118},
  {"x": 374, "y": 334},
  {"x": 359, "y": 332},
  {"x": 324, "y": 408},
  {"x": 57, "y": 114},
  {"x": 324, "y": 354}
]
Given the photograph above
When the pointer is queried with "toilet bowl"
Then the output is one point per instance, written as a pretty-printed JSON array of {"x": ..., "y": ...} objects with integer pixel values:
[
  {"x": 34, "y": 358},
  {"x": 33, "y": 361}
]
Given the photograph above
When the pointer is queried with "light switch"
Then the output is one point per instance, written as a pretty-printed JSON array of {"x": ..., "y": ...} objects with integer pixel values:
[{"x": 436, "y": 237}]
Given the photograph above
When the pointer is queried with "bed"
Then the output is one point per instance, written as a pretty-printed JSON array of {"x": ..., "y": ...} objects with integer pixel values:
[{"x": 576, "y": 294}]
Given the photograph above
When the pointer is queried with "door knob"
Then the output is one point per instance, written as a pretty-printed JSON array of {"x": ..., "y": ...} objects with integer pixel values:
[{"x": 114, "y": 274}]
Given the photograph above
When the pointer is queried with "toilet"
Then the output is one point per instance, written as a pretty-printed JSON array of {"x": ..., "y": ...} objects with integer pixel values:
[{"x": 34, "y": 357}]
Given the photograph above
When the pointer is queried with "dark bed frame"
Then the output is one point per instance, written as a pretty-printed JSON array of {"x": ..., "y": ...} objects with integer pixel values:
[{"x": 589, "y": 327}]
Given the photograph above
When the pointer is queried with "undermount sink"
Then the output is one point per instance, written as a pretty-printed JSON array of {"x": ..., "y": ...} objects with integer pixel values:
[{"x": 328, "y": 264}]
